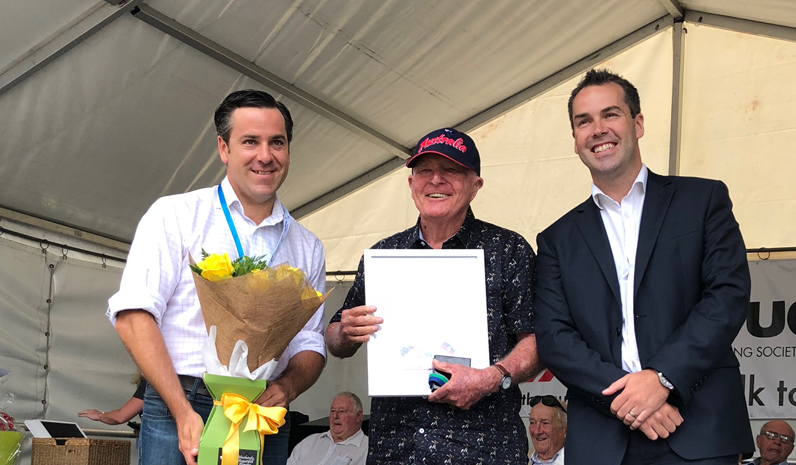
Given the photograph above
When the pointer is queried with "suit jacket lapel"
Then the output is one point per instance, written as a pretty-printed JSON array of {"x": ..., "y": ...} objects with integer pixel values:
[
  {"x": 592, "y": 229},
  {"x": 656, "y": 203}
]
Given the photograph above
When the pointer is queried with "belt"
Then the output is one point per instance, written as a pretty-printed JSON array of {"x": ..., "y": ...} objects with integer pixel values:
[{"x": 188, "y": 382}]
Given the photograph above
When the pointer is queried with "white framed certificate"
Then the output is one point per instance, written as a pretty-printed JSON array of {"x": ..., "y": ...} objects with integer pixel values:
[{"x": 433, "y": 302}]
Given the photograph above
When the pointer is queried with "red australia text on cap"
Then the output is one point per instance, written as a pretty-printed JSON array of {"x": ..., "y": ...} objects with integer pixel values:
[{"x": 441, "y": 139}]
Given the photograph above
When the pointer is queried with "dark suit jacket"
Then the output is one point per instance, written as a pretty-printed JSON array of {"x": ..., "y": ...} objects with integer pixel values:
[{"x": 692, "y": 291}]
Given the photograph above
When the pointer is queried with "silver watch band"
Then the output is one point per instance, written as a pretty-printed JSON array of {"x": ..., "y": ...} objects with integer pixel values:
[{"x": 664, "y": 381}]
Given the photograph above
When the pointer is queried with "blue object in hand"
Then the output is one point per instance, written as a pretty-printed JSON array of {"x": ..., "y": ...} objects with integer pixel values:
[{"x": 436, "y": 380}]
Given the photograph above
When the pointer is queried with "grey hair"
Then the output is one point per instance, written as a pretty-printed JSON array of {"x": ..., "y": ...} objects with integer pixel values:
[
  {"x": 354, "y": 399},
  {"x": 562, "y": 418}
]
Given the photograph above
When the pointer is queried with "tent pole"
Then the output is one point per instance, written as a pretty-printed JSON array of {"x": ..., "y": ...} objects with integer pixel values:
[
  {"x": 48, "y": 50},
  {"x": 574, "y": 69},
  {"x": 495, "y": 111},
  {"x": 67, "y": 231},
  {"x": 746, "y": 26},
  {"x": 678, "y": 58},
  {"x": 674, "y": 8},
  {"x": 228, "y": 58},
  {"x": 349, "y": 187}
]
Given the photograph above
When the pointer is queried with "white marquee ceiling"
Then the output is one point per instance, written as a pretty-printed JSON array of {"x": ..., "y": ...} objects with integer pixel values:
[{"x": 104, "y": 111}]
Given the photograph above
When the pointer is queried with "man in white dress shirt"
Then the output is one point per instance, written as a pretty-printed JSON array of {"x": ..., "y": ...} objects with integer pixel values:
[
  {"x": 343, "y": 444},
  {"x": 156, "y": 311}
]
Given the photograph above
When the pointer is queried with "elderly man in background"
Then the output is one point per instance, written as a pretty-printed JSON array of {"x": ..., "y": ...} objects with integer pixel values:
[
  {"x": 460, "y": 422},
  {"x": 343, "y": 444},
  {"x": 775, "y": 443},
  {"x": 547, "y": 425}
]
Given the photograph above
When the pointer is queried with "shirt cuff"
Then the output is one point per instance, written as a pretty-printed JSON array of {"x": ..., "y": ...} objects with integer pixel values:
[
  {"x": 122, "y": 301},
  {"x": 307, "y": 340}
]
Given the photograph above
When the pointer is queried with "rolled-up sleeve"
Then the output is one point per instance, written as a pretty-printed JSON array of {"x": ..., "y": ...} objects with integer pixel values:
[{"x": 152, "y": 268}]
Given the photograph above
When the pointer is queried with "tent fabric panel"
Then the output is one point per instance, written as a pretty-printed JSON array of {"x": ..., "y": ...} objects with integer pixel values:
[
  {"x": 736, "y": 127},
  {"x": 90, "y": 368},
  {"x": 403, "y": 66},
  {"x": 24, "y": 289},
  {"x": 94, "y": 146},
  {"x": 86, "y": 148},
  {"x": 781, "y": 12},
  {"x": 26, "y": 24},
  {"x": 531, "y": 174}
]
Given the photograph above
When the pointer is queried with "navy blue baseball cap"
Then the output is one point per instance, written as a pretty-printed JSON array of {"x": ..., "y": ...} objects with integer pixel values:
[{"x": 451, "y": 144}]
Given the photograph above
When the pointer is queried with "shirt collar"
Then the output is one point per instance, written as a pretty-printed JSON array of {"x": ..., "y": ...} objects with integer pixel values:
[
  {"x": 757, "y": 461},
  {"x": 464, "y": 234},
  {"x": 277, "y": 213},
  {"x": 598, "y": 195},
  {"x": 535, "y": 457},
  {"x": 355, "y": 440}
]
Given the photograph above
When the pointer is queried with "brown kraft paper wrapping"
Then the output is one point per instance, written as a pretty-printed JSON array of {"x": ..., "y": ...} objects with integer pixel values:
[{"x": 265, "y": 309}]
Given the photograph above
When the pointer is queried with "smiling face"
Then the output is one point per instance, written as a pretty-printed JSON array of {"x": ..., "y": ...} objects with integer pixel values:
[
  {"x": 344, "y": 418},
  {"x": 774, "y": 450},
  {"x": 257, "y": 158},
  {"x": 547, "y": 432},
  {"x": 606, "y": 135},
  {"x": 442, "y": 189}
]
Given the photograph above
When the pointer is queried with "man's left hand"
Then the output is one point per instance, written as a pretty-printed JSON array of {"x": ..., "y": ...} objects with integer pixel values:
[
  {"x": 466, "y": 386},
  {"x": 662, "y": 423},
  {"x": 642, "y": 394},
  {"x": 275, "y": 395}
]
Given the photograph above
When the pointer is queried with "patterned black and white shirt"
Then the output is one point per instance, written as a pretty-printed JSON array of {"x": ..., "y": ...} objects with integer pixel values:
[{"x": 412, "y": 430}]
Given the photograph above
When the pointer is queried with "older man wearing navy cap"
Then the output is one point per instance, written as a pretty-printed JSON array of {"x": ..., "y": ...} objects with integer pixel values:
[{"x": 474, "y": 418}]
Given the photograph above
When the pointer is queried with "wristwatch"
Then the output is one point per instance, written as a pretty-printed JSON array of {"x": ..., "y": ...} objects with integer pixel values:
[
  {"x": 505, "y": 382},
  {"x": 666, "y": 383}
]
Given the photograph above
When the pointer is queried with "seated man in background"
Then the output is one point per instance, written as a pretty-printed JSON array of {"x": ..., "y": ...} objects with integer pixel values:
[
  {"x": 343, "y": 444},
  {"x": 547, "y": 425},
  {"x": 775, "y": 443}
]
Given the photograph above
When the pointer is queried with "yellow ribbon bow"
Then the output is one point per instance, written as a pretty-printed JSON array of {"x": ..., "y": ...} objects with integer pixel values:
[{"x": 265, "y": 420}]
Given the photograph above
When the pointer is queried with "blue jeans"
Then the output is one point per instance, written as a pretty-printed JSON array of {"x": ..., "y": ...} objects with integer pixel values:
[{"x": 159, "y": 443}]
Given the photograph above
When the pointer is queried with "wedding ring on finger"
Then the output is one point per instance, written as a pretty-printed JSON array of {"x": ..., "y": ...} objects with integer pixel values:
[{"x": 632, "y": 414}]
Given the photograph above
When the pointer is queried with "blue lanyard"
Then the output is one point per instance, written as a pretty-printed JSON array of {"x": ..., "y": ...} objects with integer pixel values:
[{"x": 234, "y": 231}]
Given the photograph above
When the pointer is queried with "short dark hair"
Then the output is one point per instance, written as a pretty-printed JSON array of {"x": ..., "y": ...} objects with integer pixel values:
[
  {"x": 248, "y": 98},
  {"x": 601, "y": 77}
]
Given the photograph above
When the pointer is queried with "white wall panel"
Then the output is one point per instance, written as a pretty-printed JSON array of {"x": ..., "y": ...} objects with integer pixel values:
[{"x": 738, "y": 98}]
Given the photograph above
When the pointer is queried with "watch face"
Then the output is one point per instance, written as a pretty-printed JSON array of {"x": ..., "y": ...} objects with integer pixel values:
[{"x": 506, "y": 382}]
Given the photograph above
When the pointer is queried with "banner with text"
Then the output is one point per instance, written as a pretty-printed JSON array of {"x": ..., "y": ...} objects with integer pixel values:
[
  {"x": 765, "y": 347},
  {"x": 543, "y": 384}
]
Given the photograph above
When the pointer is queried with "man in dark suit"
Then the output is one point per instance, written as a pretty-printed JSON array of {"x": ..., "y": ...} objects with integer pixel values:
[{"x": 641, "y": 290}]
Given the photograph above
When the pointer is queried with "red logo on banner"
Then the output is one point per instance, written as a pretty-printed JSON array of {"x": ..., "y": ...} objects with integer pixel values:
[{"x": 546, "y": 377}]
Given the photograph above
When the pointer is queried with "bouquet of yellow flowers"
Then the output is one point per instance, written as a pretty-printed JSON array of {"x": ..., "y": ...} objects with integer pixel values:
[
  {"x": 253, "y": 311},
  {"x": 246, "y": 300},
  {"x": 218, "y": 267}
]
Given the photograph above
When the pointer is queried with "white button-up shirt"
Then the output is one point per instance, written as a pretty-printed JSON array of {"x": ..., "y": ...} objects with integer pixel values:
[
  {"x": 622, "y": 222},
  {"x": 157, "y": 277},
  {"x": 320, "y": 449}
]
